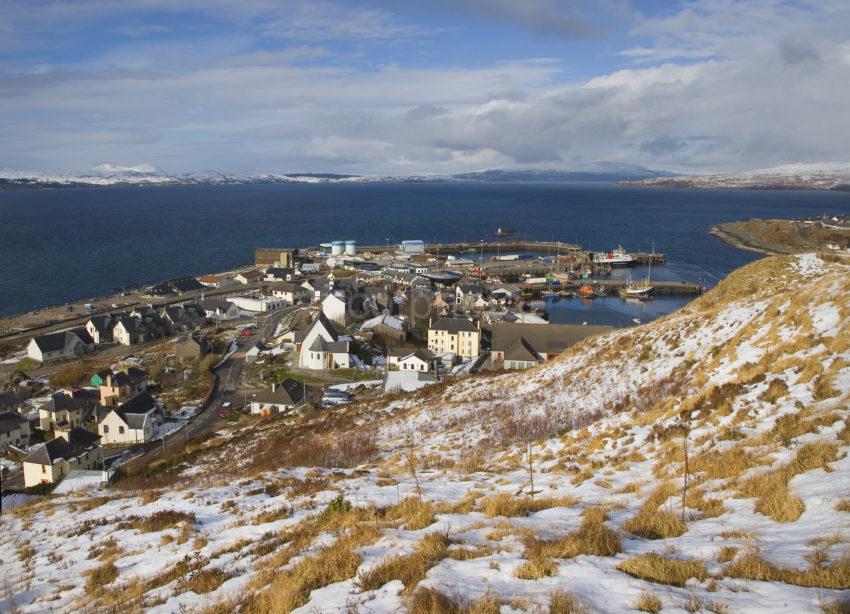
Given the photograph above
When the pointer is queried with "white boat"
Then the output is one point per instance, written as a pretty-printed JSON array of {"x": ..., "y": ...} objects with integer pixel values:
[
  {"x": 641, "y": 289},
  {"x": 615, "y": 258},
  {"x": 508, "y": 258}
]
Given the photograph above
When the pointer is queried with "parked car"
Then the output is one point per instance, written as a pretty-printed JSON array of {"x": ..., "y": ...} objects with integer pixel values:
[{"x": 224, "y": 410}]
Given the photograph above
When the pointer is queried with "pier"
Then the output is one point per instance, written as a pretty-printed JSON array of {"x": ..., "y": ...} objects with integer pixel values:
[
  {"x": 613, "y": 286},
  {"x": 550, "y": 248}
]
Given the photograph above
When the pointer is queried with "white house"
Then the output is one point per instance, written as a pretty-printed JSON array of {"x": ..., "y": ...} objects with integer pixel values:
[
  {"x": 14, "y": 430},
  {"x": 285, "y": 396},
  {"x": 335, "y": 308},
  {"x": 256, "y": 304},
  {"x": 410, "y": 359},
  {"x": 219, "y": 310},
  {"x": 60, "y": 346},
  {"x": 407, "y": 381},
  {"x": 321, "y": 347},
  {"x": 249, "y": 277},
  {"x": 49, "y": 462},
  {"x": 134, "y": 421},
  {"x": 290, "y": 292}
]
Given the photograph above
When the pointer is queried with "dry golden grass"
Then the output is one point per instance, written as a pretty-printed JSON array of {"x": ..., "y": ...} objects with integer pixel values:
[
  {"x": 414, "y": 513},
  {"x": 509, "y": 505},
  {"x": 466, "y": 554},
  {"x": 272, "y": 515},
  {"x": 773, "y": 497},
  {"x": 159, "y": 521},
  {"x": 536, "y": 568},
  {"x": 752, "y": 567},
  {"x": 835, "y": 606},
  {"x": 648, "y": 602},
  {"x": 726, "y": 554},
  {"x": 100, "y": 576},
  {"x": 775, "y": 391},
  {"x": 291, "y": 589},
  {"x": 149, "y": 496},
  {"x": 207, "y": 580},
  {"x": 563, "y": 602},
  {"x": 656, "y": 568},
  {"x": 409, "y": 568},
  {"x": 592, "y": 538},
  {"x": 432, "y": 601},
  {"x": 651, "y": 522},
  {"x": 843, "y": 505}
]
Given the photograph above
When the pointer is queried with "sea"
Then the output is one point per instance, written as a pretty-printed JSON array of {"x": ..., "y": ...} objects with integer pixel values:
[{"x": 67, "y": 244}]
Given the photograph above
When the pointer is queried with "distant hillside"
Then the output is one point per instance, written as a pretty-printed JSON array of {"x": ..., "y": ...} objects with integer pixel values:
[
  {"x": 698, "y": 463},
  {"x": 142, "y": 175},
  {"x": 600, "y": 171},
  {"x": 789, "y": 177}
]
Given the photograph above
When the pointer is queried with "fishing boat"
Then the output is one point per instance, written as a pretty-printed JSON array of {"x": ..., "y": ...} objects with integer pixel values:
[
  {"x": 641, "y": 290},
  {"x": 615, "y": 258},
  {"x": 506, "y": 258},
  {"x": 549, "y": 295},
  {"x": 503, "y": 232},
  {"x": 586, "y": 292}
]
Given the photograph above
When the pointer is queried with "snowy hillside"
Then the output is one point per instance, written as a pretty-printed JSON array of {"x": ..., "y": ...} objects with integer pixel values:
[
  {"x": 791, "y": 176},
  {"x": 698, "y": 463}
]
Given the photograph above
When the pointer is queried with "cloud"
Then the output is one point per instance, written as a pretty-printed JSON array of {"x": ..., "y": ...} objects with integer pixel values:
[
  {"x": 568, "y": 18},
  {"x": 709, "y": 85}
]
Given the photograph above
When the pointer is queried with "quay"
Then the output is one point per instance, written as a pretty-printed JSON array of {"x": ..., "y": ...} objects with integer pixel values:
[
  {"x": 613, "y": 287},
  {"x": 550, "y": 248}
]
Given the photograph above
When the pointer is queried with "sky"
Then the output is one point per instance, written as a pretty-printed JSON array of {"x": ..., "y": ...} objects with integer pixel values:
[{"x": 422, "y": 86}]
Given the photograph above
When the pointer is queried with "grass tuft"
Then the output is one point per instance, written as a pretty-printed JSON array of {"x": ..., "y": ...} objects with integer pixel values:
[{"x": 656, "y": 568}]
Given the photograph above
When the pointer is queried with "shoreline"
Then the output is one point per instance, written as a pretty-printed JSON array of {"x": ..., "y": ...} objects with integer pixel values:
[{"x": 739, "y": 242}]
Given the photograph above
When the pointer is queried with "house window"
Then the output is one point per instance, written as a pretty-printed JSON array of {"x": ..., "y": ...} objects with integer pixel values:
[
  {"x": 44, "y": 468},
  {"x": 120, "y": 430},
  {"x": 105, "y": 429}
]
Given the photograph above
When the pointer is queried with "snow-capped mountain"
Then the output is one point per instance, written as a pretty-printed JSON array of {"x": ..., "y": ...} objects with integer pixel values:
[
  {"x": 823, "y": 176},
  {"x": 146, "y": 174}
]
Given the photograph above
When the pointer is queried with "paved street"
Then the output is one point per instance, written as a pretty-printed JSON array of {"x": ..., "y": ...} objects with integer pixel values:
[{"x": 228, "y": 377}]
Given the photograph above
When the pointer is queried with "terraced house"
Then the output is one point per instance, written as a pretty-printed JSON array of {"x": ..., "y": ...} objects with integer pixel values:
[
  {"x": 456, "y": 336},
  {"x": 134, "y": 421}
]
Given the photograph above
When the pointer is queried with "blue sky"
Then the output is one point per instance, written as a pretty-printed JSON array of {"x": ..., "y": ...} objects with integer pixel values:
[{"x": 417, "y": 86}]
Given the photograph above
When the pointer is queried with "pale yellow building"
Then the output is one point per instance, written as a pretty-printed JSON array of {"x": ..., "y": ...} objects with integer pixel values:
[{"x": 456, "y": 335}]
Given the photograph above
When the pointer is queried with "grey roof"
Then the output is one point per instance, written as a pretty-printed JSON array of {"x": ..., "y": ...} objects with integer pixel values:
[
  {"x": 211, "y": 304},
  {"x": 286, "y": 286},
  {"x": 539, "y": 338},
  {"x": 333, "y": 347},
  {"x": 322, "y": 319},
  {"x": 288, "y": 392},
  {"x": 81, "y": 441},
  {"x": 404, "y": 352},
  {"x": 140, "y": 403},
  {"x": 10, "y": 400},
  {"x": 454, "y": 325},
  {"x": 10, "y": 421},
  {"x": 53, "y": 342}
]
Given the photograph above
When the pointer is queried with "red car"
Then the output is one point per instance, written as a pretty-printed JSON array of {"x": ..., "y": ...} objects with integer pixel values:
[{"x": 246, "y": 332}]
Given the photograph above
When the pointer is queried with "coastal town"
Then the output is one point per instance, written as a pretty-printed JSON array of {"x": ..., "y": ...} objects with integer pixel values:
[
  {"x": 113, "y": 383},
  {"x": 299, "y": 330}
]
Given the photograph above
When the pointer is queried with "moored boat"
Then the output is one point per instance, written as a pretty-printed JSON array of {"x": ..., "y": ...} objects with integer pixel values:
[{"x": 615, "y": 258}]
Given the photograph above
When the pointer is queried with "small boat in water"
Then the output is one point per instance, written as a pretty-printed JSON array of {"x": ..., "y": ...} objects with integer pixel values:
[
  {"x": 503, "y": 232},
  {"x": 586, "y": 292},
  {"x": 507, "y": 258},
  {"x": 546, "y": 295}
]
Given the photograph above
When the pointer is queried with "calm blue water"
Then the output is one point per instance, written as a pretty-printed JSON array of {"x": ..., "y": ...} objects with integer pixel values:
[{"x": 68, "y": 244}]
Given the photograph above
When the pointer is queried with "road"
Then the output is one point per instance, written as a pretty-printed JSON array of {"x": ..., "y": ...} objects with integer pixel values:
[{"x": 227, "y": 376}]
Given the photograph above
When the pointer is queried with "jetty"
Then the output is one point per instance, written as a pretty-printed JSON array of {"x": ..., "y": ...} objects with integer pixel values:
[
  {"x": 612, "y": 287},
  {"x": 550, "y": 248}
]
